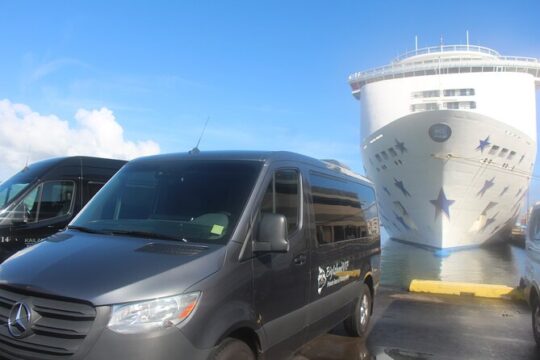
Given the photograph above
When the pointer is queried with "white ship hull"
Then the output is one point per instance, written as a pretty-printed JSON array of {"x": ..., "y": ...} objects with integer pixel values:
[
  {"x": 449, "y": 140},
  {"x": 449, "y": 194}
]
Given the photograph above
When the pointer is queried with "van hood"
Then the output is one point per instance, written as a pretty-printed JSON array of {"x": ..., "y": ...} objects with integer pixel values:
[{"x": 106, "y": 269}]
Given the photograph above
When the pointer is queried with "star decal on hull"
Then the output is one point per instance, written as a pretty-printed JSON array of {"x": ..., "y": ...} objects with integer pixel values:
[
  {"x": 487, "y": 184},
  {"x": 400, "y": 186},
  {"x": 401, "y": 146},
  {"x": 483, "y": 144},
  {"x": 442, "y": 204}
]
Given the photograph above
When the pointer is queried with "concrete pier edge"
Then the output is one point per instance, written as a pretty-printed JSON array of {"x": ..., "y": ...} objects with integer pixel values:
[{"x": 466, "y": 289}]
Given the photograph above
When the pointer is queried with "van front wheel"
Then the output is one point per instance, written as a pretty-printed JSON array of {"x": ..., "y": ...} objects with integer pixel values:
[
  {"x": 232, "y": 349},
  {"x": 357, "y": 324}
]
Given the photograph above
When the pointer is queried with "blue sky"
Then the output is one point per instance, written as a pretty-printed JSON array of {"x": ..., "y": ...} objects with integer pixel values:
[{"x": 268, "y": 74}]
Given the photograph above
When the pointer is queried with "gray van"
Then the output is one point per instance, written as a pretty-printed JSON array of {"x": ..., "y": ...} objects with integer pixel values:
[{"x": 218, "y": 255}]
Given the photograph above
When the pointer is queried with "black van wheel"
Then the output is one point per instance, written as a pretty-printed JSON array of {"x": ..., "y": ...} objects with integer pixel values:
[
  {"x": 232, "y": 349},
  {"x": 536, "y": 322},
  {"x": 357, "y": 324}
]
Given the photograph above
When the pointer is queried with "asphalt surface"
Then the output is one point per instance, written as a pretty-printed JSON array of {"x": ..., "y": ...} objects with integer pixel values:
[{"x": 416, "y": 326}]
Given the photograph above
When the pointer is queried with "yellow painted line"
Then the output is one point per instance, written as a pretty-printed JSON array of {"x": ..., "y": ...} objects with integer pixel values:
[{"x": 459, "y": 288}]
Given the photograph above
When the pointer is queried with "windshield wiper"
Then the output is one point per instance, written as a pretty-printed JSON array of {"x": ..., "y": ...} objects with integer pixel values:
[
  {"x": 143, "y": 234},
  {"x": 87, "y": 229}
]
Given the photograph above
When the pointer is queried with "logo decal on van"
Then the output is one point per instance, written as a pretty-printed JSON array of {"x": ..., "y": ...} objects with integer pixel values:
[{"x": 332, "y": 275}]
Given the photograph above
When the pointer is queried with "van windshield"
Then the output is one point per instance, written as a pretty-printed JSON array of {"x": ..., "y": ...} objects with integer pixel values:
[
  {"x": 186, "y": 200},
  {"x": 13, "y": 187}
]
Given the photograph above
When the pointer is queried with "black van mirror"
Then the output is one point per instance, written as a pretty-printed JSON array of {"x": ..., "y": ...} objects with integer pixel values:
[{"x": 272, "y": 234}]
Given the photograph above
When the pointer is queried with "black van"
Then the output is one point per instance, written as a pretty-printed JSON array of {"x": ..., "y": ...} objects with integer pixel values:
[
  {"x": 44, "y": 197},
  {"x": 218, "y": 255}
]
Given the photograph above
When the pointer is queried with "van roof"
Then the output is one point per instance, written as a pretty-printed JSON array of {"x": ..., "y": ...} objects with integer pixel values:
[{"x": 263, "y": 156}]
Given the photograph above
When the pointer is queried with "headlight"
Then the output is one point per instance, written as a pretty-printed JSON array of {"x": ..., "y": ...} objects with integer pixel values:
[{"x": 152, "y": 315}]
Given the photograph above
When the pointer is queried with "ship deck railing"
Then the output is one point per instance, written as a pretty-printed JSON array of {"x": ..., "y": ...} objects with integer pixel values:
[
  {"x": 447, "y": 48},
  {"x": 448, "y": 66}
]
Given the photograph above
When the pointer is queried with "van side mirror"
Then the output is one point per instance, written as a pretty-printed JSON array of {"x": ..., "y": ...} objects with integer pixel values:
[{"x": 272, "y": 234}]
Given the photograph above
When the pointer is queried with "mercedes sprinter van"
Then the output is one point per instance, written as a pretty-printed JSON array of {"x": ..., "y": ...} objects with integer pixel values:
[
  {"x": 45, "y": 196},
  {"x": 217, "y": 255}
]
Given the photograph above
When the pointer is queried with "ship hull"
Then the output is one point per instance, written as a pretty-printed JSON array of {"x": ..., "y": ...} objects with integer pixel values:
[{"x": 449, "y": 178}]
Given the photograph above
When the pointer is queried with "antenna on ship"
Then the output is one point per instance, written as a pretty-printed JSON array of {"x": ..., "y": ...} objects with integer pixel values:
[
  {"x": 467, "y": 33},
  {"x": 196, "y": 150},
  {"x": 416, "y": 42}
]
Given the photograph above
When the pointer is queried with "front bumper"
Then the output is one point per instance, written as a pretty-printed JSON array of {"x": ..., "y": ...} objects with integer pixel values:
[{"x": 170, "y": 344}]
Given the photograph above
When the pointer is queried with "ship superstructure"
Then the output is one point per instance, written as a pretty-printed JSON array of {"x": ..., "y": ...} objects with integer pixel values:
[{"x": 449, "y": 139}]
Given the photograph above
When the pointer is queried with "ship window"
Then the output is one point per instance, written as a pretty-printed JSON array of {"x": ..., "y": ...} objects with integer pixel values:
[
  {"x": 392, "y": 152},
  {"x": 424, "y": 107},
  {"x": 452, "y": 105},
  {"x": 378, "y": 157},
  {"x": 511, "y": 155},
  {"x": 458, "y": 92},
  {"x": 426, "y": 94},
  {"x": 493, "y": 150},
  {"x": 503, "y": 152},
  {"x": 467, "y": 105},
  {"x": 384, "y": 155}
]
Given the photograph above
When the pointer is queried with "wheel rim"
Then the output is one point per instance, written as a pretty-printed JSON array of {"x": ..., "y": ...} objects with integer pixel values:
[
  {"x": 364, "y": 310},
  {"x": 537, "y": 320}
]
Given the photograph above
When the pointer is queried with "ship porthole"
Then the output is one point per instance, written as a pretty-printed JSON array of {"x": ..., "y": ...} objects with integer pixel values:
[{"x": 440, "y": 132}]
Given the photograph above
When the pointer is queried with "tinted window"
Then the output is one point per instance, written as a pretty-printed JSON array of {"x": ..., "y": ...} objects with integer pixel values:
[
  {"x": 91, "y": 189},
  {"x": 56, "y": 199},
  {"x": 46, "y": 201},
  {"x": 183, "y": 200},
  {"x": 344, "y": 210},
  {"x": 282, "y": 197}
]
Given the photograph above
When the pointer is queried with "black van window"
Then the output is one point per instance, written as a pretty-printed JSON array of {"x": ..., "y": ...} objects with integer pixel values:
[
  {"x": 91, "y": 189},
  {"x": 344, "y": 210},
  {"x": 46, "y": 201},
  {"x": 56, "y": 199},
  {"x": 26, "y": 210},
  {"x": 282, "y": 197}
]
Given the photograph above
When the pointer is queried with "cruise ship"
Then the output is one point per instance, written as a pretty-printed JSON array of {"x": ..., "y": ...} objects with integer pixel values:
[{"x": 449, "y": 139}]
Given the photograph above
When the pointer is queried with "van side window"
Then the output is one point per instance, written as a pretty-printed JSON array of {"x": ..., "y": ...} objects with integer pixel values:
[
  {"x": 92, "y": 188},
  {"x": 56, "y": 199},
  {"x": 282, "y": 197},
  {"x": 344, "y": 210},
  {"x": 46, "y": 201},
  {"x": 534, "y": 226}
]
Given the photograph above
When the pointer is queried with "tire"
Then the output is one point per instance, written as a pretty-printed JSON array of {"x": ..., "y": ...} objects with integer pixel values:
[
  {"x": 358, "y": 323},
  {"x": 536, "y": 322},
  {"x": 232, "y": 349}
]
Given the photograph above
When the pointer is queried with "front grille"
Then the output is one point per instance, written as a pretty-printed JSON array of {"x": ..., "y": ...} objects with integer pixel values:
[{"x": 58, "y": 326}]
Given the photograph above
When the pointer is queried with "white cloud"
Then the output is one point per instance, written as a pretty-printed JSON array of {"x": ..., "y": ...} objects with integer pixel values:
[{"x": 29, "y": 136}]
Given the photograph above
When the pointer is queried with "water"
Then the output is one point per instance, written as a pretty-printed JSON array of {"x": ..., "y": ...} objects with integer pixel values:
[{"x": 501, "y": 264}]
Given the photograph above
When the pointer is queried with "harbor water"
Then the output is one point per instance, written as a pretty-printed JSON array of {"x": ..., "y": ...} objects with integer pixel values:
[{"x": 502, "y": 263}]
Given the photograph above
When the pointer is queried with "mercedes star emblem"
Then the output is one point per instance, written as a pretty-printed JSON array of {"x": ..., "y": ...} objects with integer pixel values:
[{"x": 19, "y": 320}]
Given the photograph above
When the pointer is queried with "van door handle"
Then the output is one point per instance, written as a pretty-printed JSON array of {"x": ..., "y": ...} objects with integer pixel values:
[{"x": 300, "y": 259}]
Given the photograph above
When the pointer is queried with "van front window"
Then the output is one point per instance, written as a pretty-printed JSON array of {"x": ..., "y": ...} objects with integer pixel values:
[
  {"x": 183, "y": 200},
  {"x": 11, "y": 188}
]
